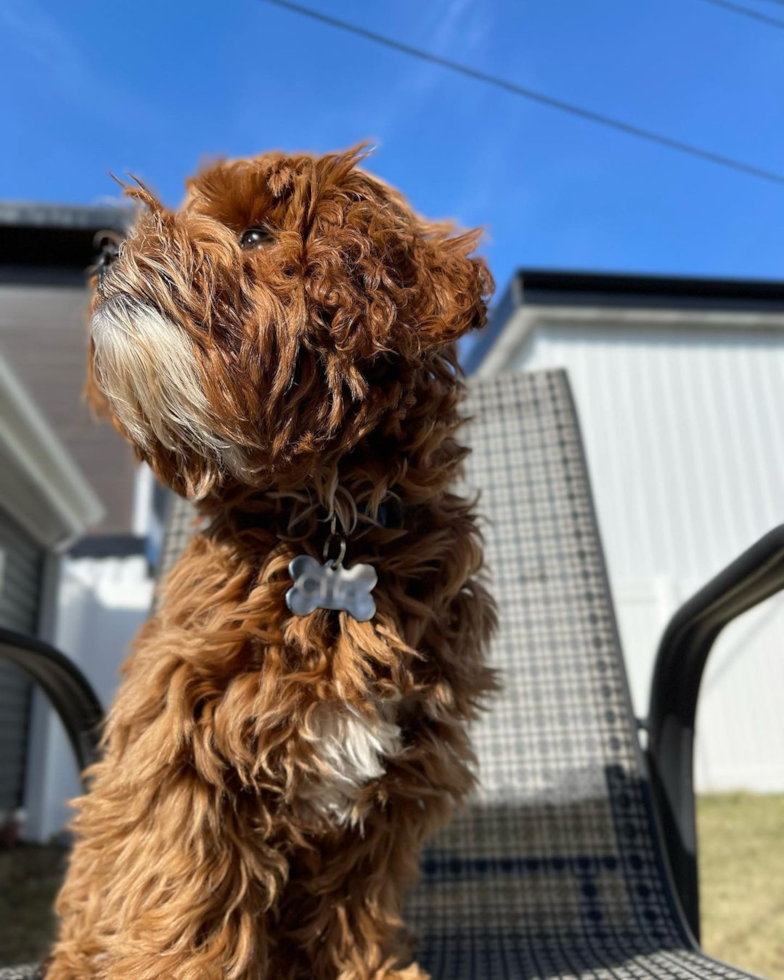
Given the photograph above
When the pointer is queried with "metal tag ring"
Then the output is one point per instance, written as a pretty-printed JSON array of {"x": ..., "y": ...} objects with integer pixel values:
[{"x": 341, "y": 549}]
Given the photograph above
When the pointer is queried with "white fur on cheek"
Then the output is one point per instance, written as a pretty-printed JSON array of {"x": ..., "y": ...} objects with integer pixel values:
[
  {"x": 146, "y": 366},
  {"x": 350, "y": 749}
]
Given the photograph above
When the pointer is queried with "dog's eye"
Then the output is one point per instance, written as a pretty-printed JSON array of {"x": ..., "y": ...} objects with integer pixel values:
[{"x": 255, "y": 237}]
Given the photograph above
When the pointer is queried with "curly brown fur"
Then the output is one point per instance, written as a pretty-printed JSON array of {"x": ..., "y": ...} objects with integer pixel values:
[{"x": 312, "y": 376}]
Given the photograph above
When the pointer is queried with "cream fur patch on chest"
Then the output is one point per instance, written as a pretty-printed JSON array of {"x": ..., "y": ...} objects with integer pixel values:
[{"x": 350, "y": 750}]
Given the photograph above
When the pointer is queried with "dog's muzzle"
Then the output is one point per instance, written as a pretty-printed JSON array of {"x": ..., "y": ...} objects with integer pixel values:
[{"x": 146, "y": 365}]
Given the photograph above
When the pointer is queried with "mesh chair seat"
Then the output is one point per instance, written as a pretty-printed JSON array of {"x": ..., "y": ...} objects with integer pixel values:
[{"x": 555, "y": 869}]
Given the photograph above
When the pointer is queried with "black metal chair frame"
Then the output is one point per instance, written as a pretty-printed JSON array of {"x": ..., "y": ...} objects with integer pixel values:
[
  {"x": 683, "y": 653},
  {"x": 65, "y": 686}
]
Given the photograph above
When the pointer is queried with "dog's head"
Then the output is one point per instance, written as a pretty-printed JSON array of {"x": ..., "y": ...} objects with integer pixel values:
[{"x": 289, "y": 307}]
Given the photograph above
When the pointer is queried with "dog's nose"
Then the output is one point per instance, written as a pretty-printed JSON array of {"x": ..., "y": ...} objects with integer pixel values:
[{"x": 109, "y": 250}]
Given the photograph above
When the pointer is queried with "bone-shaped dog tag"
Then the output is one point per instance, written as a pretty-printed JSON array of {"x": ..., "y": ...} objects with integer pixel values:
[{"x": 331, "y": 586}]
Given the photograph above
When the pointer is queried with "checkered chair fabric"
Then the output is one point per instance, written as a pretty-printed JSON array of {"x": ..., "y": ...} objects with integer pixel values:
[{"x": 554, "y": 871}]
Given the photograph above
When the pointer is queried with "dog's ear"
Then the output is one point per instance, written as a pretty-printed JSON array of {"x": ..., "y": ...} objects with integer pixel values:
[
  {"x": 454, "y": 284},
  {"x": 380, "y": 278}
]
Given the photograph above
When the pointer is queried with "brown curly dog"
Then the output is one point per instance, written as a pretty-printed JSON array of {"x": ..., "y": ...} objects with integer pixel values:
[{"x": 281, "y": 349}]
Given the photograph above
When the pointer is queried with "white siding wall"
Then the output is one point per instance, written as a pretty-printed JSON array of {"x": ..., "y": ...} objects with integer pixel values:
[{"x": 684, "y": 437}]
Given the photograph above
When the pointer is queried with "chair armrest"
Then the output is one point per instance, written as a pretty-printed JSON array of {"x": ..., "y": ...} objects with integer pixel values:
[
  {"x": 753, "y": 577},
  {"x": 66, "y": 687}
]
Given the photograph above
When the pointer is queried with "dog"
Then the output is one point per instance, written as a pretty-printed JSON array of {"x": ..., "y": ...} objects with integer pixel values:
[{"x": 289, "y": 731}]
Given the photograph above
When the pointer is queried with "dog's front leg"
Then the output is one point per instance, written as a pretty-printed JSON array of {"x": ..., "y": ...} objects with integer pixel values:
[
  {"x": 175, "y": 886},
  {"x": 341, "y": 911},
  {"x": 176, "y": 870}
]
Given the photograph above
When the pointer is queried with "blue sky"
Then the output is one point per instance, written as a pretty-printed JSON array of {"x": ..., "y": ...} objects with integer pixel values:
[{"x": 153, "y": 87}]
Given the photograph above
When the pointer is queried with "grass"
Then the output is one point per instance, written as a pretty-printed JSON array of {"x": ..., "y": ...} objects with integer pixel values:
[
  {"x": 29, "y": 879},
  {"x": 741, "y": 859},
  {"x": 741, "y": 841}
]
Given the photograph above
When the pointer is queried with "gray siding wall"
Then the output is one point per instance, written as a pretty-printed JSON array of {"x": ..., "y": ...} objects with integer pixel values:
[{"x": 20, "y": 592}]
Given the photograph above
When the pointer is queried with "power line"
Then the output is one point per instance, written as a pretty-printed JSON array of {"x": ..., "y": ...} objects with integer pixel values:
[
  {"x": 534, "y": 96},
  {"x": 736, "y": 8}
]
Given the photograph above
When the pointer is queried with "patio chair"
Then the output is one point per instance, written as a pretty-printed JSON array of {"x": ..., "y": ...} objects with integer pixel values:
[{"x": 559, "y": 867}]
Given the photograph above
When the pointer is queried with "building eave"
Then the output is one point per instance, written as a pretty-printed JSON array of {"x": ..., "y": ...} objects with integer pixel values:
[
  {"x": 24, "y": 214},
  {"x": 583, "y": 298},
  {"x": 53, "y": 243}
]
